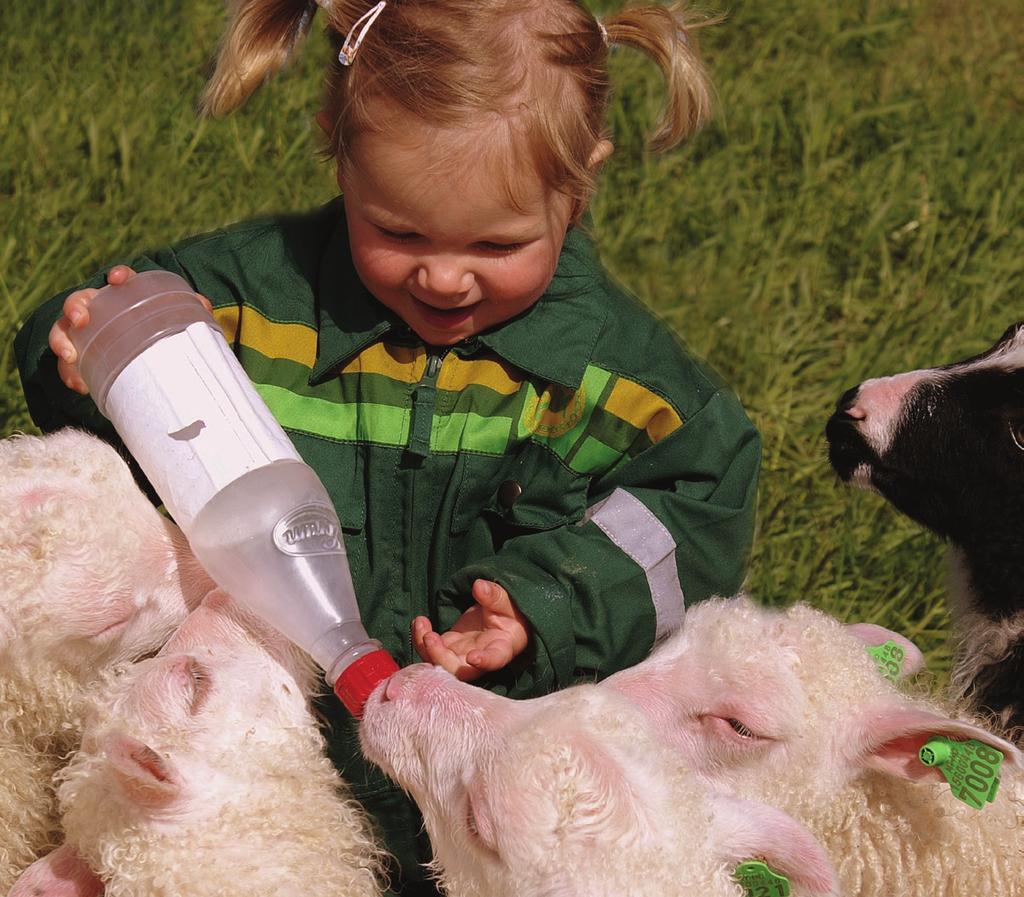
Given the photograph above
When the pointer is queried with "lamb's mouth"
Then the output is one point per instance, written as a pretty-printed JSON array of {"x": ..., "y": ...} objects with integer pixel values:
[
  {"x": 851, "y": 461},
  {"x": 849, "y": 454},
  {"x": 862, "y": 477}
]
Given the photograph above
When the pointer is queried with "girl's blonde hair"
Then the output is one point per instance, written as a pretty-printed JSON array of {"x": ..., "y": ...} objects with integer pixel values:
[{"x": 537, "y": 66}]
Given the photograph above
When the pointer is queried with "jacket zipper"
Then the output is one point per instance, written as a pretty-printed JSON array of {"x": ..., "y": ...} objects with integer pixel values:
[
  {"x": 423, "y": 407},
  {"x": 423, "y": 399},
  {"x": 421, "y": 425}
]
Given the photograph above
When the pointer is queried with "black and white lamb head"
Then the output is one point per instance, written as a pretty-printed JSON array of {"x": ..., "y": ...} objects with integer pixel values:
[{"x": 944, "y": 445}]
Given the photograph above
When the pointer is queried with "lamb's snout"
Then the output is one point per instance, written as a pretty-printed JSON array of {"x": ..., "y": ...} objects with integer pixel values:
[
  {"x": 400, "y": 684},
  {"x": 847, "y": 408},
  {"x": 876, "y": 405},
  {"x": 393, "y": 688},
  {"x": 848, "y": 449},
  {"x": 865, "y": 422}
]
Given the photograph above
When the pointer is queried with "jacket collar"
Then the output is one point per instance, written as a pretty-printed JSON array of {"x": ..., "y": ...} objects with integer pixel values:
[
  {"x": 348, "y": 317},
  {"x": 552, "y": 340}
]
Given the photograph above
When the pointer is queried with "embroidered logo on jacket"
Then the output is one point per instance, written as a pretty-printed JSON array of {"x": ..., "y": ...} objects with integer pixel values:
[{"x": 555, "y": 411}]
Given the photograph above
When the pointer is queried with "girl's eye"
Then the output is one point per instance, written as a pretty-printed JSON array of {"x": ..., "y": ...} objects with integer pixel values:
[
  {"x": 739, "y": 728},
  {"x": 503, "y": 248},
  {"x": 396, "y": 236}
]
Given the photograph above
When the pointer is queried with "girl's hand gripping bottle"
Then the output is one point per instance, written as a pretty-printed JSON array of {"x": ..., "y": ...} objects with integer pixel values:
[{"x": 257, "y": 517}]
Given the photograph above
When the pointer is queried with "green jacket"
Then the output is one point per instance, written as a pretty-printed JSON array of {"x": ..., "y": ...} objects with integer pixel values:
[{"x": 577, "y": 455}]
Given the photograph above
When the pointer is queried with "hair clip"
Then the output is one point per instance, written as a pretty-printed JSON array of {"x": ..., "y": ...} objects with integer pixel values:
[{"x": 348, "y": 49}]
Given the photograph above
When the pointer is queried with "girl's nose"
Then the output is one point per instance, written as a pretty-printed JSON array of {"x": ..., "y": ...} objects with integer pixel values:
[{"x": 444, "y": 276}]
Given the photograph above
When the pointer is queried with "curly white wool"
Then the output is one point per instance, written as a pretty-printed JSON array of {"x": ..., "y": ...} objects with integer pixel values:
[{"x": 90, "y": 575}]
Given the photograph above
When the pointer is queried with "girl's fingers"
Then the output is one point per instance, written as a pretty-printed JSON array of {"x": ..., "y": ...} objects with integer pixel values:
[
  {"x": 60, "y": 342},
  {"x": 439, "y": 654},
  {"x": 70, "y": 377},
  {"x": 76, "y": 307},
  {"x": 75, "y": 316},
  {"x": 494, "y": 656},
  {"x": 492, "y": 596},
  {"x": 119, "y": 274},
  {"x": 67, "y": 357},
  {"x": 421, "y": 628}
]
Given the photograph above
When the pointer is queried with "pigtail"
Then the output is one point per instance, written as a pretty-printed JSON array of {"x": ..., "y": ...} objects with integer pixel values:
[
  {"x": 259, "y": 39},
  {"x": 665, "y": 34}
]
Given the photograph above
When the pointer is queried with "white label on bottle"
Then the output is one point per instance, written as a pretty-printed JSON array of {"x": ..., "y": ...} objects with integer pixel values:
[
  {"x": 193, "y": 420},
  {"x": 311, "y": 529}
]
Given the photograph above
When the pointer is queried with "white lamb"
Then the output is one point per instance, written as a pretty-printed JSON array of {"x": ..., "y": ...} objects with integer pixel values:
[
  {"x": 569, "y": 794},
  {"x": 202, "y": 773},
  {"x": 788, "y": 708},
  {"x": 90, "y": 575}
]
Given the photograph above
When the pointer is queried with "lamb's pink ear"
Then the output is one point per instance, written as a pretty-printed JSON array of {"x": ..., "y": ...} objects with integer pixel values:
[
  {"x": 146, "y": 778},
  {"x": 874, "y": 636},
  {"x": 753, "y": 831},
  {"x": 890, "y": 738},
  {"x": 61, "y": 873}
]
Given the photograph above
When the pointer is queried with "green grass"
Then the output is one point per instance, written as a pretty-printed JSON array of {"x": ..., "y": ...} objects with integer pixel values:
[{"x": 851, "y": 211}]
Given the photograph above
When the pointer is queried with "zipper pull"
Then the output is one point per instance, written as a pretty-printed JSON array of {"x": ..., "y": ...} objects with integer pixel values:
[{"x": 423, "y": 398}]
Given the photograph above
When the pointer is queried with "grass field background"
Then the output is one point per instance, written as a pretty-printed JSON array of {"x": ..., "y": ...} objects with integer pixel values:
[{"x": 854, "y": 209}]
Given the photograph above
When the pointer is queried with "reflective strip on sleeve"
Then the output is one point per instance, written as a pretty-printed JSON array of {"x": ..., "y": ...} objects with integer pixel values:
[{"x": 631, "y": 526}]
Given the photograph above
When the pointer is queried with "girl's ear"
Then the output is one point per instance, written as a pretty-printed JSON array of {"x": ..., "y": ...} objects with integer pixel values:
[{"x": 599, "y": 155}]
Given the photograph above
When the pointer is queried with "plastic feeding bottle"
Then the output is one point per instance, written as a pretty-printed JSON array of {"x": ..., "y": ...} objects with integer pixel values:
[{"x": 257, "y": 517}]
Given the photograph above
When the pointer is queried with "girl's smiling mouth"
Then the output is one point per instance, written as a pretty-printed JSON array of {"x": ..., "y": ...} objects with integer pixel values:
[{"x": 443, "y": 317}]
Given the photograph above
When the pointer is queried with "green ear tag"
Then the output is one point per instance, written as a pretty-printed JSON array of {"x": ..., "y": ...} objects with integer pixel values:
[
  {"x": 759, "y": 881},
  {"x": 971, "y": 768},
  {"x": 889, "y": 658}
]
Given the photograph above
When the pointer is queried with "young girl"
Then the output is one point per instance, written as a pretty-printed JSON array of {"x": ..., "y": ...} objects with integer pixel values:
[{"x": 532, "y": 475}]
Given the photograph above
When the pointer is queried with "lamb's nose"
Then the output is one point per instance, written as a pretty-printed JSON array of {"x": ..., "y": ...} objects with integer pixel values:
[
  {"x": 393, "y": 688},
  {"x": 847, "y": 406}
]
